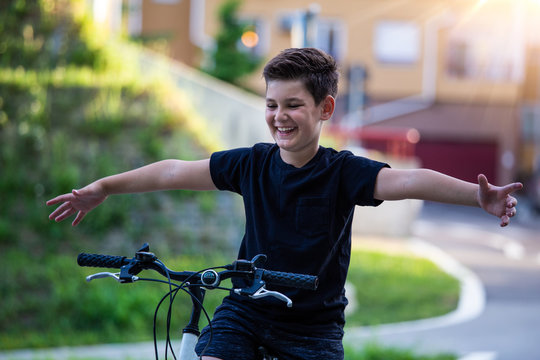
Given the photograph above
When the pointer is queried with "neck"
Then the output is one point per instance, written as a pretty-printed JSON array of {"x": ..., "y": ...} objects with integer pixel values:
[{"x": 298, "y": 159}]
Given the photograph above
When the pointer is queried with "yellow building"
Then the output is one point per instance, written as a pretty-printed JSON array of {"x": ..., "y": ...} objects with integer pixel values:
[{"x": 463, "y": 73}]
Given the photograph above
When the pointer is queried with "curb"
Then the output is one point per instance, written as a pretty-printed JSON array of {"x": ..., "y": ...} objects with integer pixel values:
[{"x": 471, "y": 303}]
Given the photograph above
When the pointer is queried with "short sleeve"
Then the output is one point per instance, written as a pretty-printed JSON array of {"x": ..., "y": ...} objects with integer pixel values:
[
  {"x": 229, "y": 168},
  {"x": 360, "y": 176}
]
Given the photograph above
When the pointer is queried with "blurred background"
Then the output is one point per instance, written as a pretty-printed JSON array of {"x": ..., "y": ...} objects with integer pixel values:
[
  {"x": 462, "y": 75},
  {"x": 455, "y": 84},
  {"x": 93, "y": 87}
]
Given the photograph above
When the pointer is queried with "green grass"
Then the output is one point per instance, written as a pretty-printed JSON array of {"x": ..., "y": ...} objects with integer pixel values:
[
  {"x": 62, "y": 309},
  {"x": 392, "y": 288},
  {"x": 75, "y": 312},
  {"x": 373, "y": 351}
]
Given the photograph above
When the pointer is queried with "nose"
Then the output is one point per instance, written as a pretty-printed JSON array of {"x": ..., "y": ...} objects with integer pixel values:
[{"x": 280, "y": 114}]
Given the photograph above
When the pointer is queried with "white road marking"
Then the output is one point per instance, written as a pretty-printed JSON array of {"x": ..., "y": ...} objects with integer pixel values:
[
  {"x": 485, "y": 355},
  {"x": 513, "y": 250},
  {"x": 510, "y": 248}
]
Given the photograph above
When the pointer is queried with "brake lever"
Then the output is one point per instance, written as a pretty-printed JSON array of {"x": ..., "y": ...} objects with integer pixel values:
[
  {"x": 262, "y": 292},
  {"x": 115, "y": 276}
]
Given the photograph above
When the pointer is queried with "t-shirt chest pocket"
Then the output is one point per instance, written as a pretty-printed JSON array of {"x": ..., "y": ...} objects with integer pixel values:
[{"x": 312, "y": 216}]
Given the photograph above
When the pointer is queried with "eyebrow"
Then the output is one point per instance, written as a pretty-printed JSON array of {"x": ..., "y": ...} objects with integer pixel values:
[{"x": 287, "y": 99}]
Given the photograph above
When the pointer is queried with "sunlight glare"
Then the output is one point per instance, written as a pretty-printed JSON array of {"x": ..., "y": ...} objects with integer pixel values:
[{"x": 250, "y": 39}]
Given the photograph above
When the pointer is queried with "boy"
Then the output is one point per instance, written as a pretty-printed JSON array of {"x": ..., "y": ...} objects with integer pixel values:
[{"x": 299, "y": 200}]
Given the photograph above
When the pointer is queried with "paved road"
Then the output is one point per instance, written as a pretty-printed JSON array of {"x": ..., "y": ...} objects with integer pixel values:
[{"x": 507, "y": 262}]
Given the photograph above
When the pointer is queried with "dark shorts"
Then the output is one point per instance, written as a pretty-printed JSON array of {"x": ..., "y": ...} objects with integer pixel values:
[{"x": 236, "y": 335}]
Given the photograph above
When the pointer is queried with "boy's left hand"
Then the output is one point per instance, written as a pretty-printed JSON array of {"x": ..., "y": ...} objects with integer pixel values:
[{"x": 497, "y": 200}]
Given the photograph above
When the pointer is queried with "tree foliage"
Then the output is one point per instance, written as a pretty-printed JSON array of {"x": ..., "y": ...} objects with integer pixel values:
[
  {"x": 42, "y": 34},
  {"x": 230, "y": 60}
]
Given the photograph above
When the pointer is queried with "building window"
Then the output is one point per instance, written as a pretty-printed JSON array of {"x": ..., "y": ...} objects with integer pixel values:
[
  {"x": 397, "y": 42},
  {"x": 476, "y": 57},
  {"x": 489, "y": 45},
  {"x": 331, "y": 37}
]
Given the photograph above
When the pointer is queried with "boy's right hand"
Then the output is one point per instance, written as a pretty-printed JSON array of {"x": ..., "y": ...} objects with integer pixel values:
[{"x": 78, "y": 201}]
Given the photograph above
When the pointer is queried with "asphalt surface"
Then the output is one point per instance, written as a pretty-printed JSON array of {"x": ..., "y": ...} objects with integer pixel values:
[{"x": 507, "y": 263}]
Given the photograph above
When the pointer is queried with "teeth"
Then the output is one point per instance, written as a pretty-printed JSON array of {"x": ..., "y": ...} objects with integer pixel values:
[{"x": 285, "y": 129}]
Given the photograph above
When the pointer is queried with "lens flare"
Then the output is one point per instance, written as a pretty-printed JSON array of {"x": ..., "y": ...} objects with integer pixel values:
[{"x": 250, "y": 39}]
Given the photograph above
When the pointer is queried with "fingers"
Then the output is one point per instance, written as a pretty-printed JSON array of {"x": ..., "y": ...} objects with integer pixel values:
[
  {"x": 510, "y": 188},
  {"x": 507, "y": 189},
  {"x": 511, "y": 211},
  {"x": 60, "y": 211},
  {"x": 64, "y": 211},
  {"x": 72, "y": 203},
  {"x": 505, "y": 219},
  {"x": 511, "y": 202},
  {"x": 483, "y": 182},
  {"x": 78, "y": 218},
  {"x": 59, "y": 199}
]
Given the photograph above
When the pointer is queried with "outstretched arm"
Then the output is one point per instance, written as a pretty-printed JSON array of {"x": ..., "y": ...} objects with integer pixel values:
[
  {"x": 162, "y": 175},
  {"x": 424, "y": 184}
]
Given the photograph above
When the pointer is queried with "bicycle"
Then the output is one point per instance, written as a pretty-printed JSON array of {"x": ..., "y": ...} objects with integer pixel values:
[{"x": 195, "y": 283}]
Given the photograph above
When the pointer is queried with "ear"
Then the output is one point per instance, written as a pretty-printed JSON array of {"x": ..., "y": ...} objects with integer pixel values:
[{"x": 328, "y": 105}]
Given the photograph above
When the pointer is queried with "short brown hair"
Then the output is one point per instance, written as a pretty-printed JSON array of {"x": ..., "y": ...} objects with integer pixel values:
[{"x": 314, "y": 67}]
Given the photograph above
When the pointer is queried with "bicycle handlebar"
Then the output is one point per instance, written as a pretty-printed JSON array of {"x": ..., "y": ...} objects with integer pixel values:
[
  {"x": 239, "y": 269},
  {"x": 300, "y": 281},
  {"x": 102, "y": 261},
  {"x": 195, "y": 283}
]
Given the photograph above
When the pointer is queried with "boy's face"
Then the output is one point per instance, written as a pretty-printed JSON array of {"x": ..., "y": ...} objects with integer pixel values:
[{"x": 294, "y": 119}]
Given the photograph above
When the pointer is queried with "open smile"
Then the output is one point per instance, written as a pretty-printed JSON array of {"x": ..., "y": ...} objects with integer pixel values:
[{"x": 285, "y": 130}]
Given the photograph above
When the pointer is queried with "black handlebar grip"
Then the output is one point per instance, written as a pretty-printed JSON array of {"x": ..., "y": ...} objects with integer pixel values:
[
  {"x": 104, "y": 261},
  {"x": 300, "y": 281}
]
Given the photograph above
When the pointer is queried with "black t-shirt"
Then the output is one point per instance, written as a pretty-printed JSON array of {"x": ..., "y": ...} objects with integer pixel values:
[{"x": 301, "y": 219}]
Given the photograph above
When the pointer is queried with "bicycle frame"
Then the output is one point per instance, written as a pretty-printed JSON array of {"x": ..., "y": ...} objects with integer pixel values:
[
  {"x": 187, "y": 347},
  {"x": 190, "y": 334}
]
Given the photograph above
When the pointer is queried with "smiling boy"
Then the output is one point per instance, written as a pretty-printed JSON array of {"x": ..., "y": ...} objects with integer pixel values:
[{"x": 299, "y": 200}]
